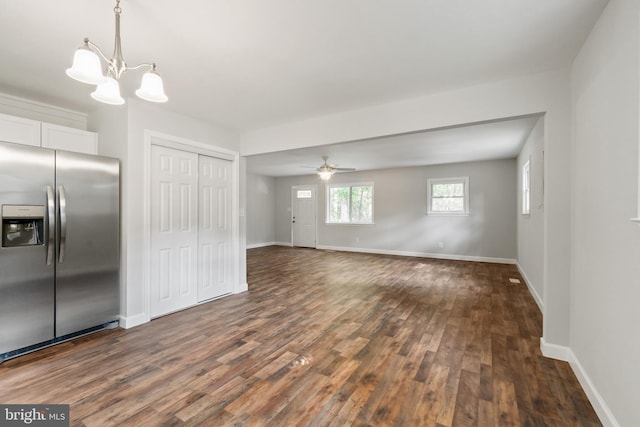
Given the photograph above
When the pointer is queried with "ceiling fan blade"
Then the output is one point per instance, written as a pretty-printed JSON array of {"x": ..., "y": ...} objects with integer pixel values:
[{"x": 344, "y": 169}]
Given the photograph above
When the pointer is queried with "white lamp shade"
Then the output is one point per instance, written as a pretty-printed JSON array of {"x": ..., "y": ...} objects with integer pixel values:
[
  {"x": 108, "y": 92},
  {"x": 152, "y": 88},
  {"x": 86, "y": 67}
]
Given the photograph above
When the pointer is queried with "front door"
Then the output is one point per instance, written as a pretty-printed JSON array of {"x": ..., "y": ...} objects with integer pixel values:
[{"x": 303, "y": 215}]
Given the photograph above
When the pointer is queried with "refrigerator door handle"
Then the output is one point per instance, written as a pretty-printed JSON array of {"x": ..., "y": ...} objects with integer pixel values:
[
  {"x": 51, "y": 213},
  {"x": 62, "y": 206}
]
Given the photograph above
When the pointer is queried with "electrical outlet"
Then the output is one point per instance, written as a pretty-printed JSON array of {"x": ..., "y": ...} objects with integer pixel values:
[{"x": 440, "y": 245}]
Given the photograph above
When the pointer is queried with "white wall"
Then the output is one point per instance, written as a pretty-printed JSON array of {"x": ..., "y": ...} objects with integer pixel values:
[
  {"x": 261, "y": 203},
  {"x": 135, "y": 118},
  {"x": 400, "y": 204},
  {"x": 605, "y": 317},
  {"x": 547, "y": 93},
  {"x": 531, "y": 226}
]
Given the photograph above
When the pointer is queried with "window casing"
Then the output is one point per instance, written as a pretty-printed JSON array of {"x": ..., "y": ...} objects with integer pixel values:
[
  {"x": 350, "y": 203},
  {"x": 448, "y": 196},
  {"x": 526, "y": 188}
]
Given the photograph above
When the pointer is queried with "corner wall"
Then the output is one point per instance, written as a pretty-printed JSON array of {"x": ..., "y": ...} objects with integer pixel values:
[
  {"x": 261, "y": 204},
  {"x": 531, "y": 226}
]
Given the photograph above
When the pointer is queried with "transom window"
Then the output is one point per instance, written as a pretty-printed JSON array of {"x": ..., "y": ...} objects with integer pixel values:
[
  {"x": 350, "y": 203},
  {"x": 448, "y": 196}
]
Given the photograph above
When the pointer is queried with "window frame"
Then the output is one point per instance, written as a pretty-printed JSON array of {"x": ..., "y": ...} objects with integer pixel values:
[
  {"x": 526, "y": 187},
  {"x": 330, "y": 185},
  {"x": 455, "y": 180}
]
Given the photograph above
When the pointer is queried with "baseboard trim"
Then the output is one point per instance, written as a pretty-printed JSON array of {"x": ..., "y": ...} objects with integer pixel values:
[
  {"x": 599, "y": 405},
  {"x": 133, "y": 321},
  {"x": 260, "y": 245},
  {"x": 242, "y": 287},
  {"x": 565, "y": 354},
  {"x": 453, "y": 257},
  {"x": 532, "y": 290},
  {"x": 555, "y": 351},
  {"x": 283, "y": 244}
]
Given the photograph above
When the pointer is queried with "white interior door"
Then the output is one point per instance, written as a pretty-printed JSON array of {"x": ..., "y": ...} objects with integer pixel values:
[
  {"x": 174, "y": 231},
  {"x": 303, "y": 216},
  {"x": 214, "y": 228}
]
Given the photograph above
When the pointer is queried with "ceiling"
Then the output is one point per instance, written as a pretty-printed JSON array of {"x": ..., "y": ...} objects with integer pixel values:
[
  {"x": 251, "y": 64},
  {"x": 248, "y": 64},
  {"x": 483, "y": 141}
]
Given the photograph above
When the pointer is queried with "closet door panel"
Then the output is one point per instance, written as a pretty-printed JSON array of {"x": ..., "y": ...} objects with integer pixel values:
[
  {"x": 214, "y": 228},
  {"x": 174, "y": 230}
]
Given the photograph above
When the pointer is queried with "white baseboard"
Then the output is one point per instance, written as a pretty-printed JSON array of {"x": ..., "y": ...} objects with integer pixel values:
[
  {"x": 283, "y": 244},
  {"x": 242, "y": 287},
  {"x": 565, "y": 354},
  {"x": 555, "y": 351},
  {"x": 598, "y": 403},
  {"x": 532, "y": 290},
  {"x": 133, "y": 321},
  {"x": 421, "y": 254},
  {"x": 260, "y": 245}
]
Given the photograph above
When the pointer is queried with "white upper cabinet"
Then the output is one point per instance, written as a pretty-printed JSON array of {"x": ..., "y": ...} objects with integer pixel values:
[
  {"x": 19, "y": 130},
  {"x": 40, "y": 134},
  {"x": 69, "y": 139}
]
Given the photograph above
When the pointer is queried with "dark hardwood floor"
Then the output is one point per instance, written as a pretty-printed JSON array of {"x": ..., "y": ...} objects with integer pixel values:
[{"x": 323, "y": 339}]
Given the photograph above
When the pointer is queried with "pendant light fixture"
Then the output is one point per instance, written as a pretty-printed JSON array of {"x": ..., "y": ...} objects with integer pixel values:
[{"x": 87, "y": 68}]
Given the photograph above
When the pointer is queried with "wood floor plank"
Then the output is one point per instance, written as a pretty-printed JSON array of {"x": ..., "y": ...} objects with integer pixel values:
[{"x": 321, "y": 338}]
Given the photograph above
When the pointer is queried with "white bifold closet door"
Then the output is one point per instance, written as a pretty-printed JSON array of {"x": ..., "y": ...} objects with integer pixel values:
[
  {"x": 191, "y": 234},
  {"x": 174, "y": 230},
  {"x": 214, "y": 228}
]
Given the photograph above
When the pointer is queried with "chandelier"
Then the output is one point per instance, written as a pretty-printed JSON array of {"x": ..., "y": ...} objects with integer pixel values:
[{"x": 87, "y": 68}]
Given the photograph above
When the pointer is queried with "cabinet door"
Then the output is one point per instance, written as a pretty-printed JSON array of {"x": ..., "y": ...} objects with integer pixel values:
[
  {"x": 19, "y": 130},
  {"x": 69, "y": 139}
]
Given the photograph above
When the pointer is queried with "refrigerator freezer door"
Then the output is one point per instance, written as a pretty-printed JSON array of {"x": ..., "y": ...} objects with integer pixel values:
[
  {"x": 87, "y": 267},
  {"x": 26, "y": 281}
]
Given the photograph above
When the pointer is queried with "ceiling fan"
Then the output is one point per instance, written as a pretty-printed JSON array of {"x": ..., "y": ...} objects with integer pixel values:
[{"x": 326, "y": 170}]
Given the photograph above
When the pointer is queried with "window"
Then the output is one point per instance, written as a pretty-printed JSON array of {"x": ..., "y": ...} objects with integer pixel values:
[
  {"x": 526, "y": 187},
  {"x": 350, "y": 203},
  {"x": 448, "y": 196},
  {"x": 303, "y": 194}
]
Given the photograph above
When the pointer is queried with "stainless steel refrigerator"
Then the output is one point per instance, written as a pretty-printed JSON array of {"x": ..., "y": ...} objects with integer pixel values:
[{"x": 59, "y": 255}]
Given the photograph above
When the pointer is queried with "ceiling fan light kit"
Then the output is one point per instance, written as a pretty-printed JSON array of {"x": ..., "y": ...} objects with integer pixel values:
[
  {"x": 325, "y": 174},
  {"x": 326, "y": 171},
  {"x": 87, "y": 68}
]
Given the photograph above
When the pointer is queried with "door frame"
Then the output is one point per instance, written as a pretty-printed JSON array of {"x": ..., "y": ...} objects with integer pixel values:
[
  {"x": 300, "y": 187},
  {"x": 178, "y": 143}
]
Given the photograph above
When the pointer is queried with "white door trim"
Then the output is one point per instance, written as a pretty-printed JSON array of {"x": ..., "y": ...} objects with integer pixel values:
[
  {"x": 157, "y": 138},
  {"x": 315, "y": 191}
]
